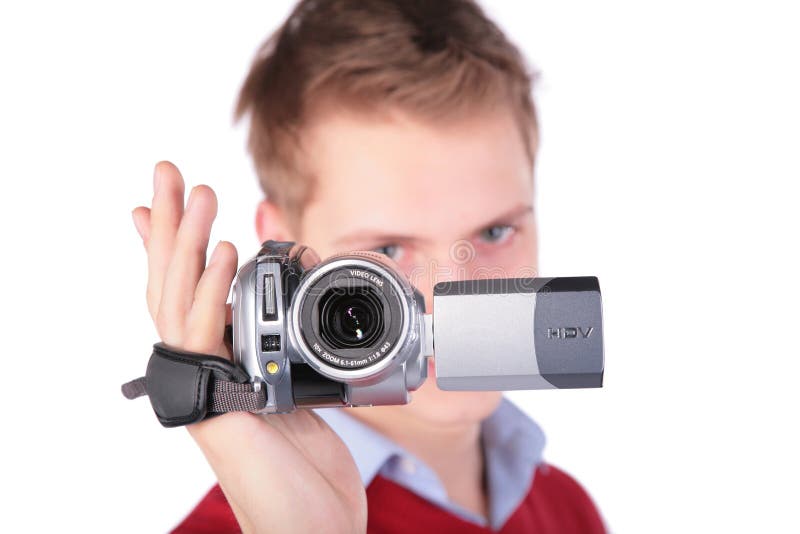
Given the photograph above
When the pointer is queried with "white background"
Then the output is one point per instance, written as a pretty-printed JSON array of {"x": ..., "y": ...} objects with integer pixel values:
[{"x": 668, "y": 168}]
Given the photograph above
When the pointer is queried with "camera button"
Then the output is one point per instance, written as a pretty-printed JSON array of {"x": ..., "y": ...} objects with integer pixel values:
[{"x": 269, "y": 307}]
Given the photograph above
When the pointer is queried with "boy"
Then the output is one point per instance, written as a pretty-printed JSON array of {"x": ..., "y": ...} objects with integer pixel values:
[{"x": 404, "y": 127}]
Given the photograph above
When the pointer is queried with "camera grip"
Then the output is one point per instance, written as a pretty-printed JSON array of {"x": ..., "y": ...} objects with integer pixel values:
[{"x": 186, "y": 387}]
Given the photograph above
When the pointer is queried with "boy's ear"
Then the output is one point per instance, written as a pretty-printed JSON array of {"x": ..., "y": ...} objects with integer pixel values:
[{"x": 271, "y": 223}]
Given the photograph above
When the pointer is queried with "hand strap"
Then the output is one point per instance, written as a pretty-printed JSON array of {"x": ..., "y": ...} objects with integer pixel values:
[{"x": 186, "y": 387}]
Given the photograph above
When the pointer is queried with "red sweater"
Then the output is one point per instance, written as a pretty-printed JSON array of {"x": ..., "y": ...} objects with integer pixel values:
[{"x": 556, "y": 504}]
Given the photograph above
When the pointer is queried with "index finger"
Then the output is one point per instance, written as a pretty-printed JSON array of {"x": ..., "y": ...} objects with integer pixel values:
[{"x": 165, "y": 218}]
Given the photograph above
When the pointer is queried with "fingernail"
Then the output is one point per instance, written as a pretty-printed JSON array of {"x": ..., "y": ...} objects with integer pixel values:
[
  {"x": 156, "y": 178},
  {"x": 215, "y": 253},
  {"x": 136, "y": 224}
]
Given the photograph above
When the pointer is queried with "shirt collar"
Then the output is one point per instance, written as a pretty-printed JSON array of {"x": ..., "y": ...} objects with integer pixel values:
[
  {"x": 370, "y": 449},
  {"x": 513, "y": 445}
]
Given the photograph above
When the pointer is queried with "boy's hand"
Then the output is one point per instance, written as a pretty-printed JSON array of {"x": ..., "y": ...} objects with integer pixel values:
[{"x": 281, "y": 472}]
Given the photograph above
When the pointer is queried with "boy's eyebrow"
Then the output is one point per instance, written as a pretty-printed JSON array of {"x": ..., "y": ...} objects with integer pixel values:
[
  {"x": 373, "y": 236},
  {"x": 511, "y": 215}
]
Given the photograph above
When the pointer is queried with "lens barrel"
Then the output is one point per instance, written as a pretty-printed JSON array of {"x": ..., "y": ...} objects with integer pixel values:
[{"x": 352, "y": 313}]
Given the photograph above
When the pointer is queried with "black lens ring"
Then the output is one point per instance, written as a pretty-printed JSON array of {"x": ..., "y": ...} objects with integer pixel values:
[{"x": 332, "y": 305}]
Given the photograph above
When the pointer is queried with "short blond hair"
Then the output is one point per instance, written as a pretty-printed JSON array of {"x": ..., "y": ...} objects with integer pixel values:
[{"x": 434, "y": 59}]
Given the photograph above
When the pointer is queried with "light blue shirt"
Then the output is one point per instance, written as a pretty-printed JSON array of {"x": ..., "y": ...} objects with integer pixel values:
[{"x": 512, "y": 444}]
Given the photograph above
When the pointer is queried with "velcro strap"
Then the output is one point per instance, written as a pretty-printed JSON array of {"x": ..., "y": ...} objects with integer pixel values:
[
  {"x": 186, "y": 387},
  {"x": 233, "y": 397}
]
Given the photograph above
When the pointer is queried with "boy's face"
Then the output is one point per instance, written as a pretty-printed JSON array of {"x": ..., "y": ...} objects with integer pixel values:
[{"x": 449, "y": 200}]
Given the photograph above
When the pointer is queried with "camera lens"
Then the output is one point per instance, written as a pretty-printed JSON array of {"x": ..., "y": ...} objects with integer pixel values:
[{"x": 351, "y": 318}]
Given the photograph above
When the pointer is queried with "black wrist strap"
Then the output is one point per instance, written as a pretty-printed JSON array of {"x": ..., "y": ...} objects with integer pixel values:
[{"x": 186, "y": 387}]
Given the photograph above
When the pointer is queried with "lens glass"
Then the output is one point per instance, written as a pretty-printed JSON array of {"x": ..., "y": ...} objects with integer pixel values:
[{"x": 351, "y": 318}]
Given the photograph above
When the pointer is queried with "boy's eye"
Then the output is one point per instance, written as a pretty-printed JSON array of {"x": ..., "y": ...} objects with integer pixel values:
[
  {"x": 497, "y": 233},
  {"x": 393, "y": 251}
]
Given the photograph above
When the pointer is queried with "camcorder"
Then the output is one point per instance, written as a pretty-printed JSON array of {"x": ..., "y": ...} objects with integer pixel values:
[{"x": 353, "y": 331}]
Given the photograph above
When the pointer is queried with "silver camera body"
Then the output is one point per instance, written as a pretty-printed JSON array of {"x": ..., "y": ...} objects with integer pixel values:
[{"x": 352, "y": 331}]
